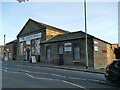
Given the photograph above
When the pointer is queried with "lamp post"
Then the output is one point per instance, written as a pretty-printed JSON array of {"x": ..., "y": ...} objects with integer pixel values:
[{"x": 86, "y": 47}]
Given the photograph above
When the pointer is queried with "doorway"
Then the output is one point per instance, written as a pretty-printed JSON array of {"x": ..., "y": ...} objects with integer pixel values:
[
  {"x": 48, "y": 54},
  {"x": 60, "y": 55},
  {"x": 28, "y": 54}
]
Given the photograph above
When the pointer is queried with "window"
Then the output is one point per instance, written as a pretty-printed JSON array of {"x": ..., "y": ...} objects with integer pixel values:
[
  {"x": 76, "y": 52},
  {"x": 60, "y": 49}
]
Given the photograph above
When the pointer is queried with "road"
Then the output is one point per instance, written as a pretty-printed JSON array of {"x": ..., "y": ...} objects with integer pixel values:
[{"x": 16, "y": 75}]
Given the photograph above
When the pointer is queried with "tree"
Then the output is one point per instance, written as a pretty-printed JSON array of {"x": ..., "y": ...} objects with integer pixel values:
[{"x": 22, "y": 1}]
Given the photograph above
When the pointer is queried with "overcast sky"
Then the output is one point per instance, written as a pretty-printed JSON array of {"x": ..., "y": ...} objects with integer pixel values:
[{"x": 102, "y": 18}]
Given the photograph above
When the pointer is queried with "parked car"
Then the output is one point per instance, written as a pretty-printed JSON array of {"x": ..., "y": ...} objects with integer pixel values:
[{"x": 113, "y": 71}]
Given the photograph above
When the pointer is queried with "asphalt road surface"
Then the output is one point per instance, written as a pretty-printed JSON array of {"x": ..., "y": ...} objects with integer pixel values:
[{"x": 16, "y": 75}]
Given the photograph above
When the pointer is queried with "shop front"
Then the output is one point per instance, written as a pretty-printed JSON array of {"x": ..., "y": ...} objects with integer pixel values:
[{"x": 29, "y": 46}]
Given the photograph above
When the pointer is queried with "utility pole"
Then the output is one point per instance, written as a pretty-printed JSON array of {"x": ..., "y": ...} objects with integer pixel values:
[
  {"x": 119, "y": 24},
  {"x": 4, "y": 49},
  {"x": 86, "y": 47},
  {"x": 4, "y": 40}
]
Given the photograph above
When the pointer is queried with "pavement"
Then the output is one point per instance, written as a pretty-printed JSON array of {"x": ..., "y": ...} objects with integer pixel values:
[{"x": 67, "y": 67}]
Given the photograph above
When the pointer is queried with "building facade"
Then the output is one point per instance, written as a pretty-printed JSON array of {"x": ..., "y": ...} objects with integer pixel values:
[
  {"x": 48, "y": 44},
  {"x": 1, "y": 52},
  {"x": 70, "y": 49},
  {"x": 30, "y": 37},
  {"x": 11, "y": 50}
]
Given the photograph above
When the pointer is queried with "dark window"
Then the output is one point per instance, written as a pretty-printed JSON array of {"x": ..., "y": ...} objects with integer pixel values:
[
  {"x": 76, "y": 52},
  {"x": 48, "y": 53}
]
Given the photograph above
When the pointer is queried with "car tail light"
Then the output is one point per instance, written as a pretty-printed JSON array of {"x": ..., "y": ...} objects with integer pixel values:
[{"x": 107, "y": 68}]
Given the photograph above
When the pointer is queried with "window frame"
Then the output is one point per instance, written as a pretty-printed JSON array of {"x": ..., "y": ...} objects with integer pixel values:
[{"x": 74, "y": 46}]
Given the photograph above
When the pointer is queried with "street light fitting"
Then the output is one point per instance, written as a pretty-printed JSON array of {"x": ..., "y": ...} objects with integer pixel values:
[{"x": 22, "y": 1}]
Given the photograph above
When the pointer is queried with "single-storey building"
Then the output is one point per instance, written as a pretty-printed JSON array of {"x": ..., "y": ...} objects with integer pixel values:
[
  {"x": 11, "y": 50},
  {"x": 69, "y": 49},
  {"x": 1, "y": 51},
  {"x": 49, "y": 44},
  {"x": 30, "y": 37}
]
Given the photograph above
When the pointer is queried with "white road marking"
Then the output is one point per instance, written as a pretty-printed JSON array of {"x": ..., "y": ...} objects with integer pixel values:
[
  {"x": 77, "y": 78},
  {"x": 57, "y": 80},
  {"x": 10, "y": 71},
  {"x": 5, "y": 70},
  {"x": 41, "y": 78},
  {"x": 95, "y": 80},
  {"x": 29, "y": 75},
  {"x": 39, "y": 73},
  {"x": 25, "y": 71},
  {"x": 74, "y": 84},
  {"x": 58, "y": 75}
]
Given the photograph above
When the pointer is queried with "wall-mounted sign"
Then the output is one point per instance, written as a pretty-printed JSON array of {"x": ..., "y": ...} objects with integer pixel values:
[
  {"x": 28, "y": 42},
  {"x": 30, "y": 37},
  {"x": 95, "y": 46},
  {"x": 37, "y": 47},
  {"x": 104, "y": 50},
  {"x": 68, "y": 47}
]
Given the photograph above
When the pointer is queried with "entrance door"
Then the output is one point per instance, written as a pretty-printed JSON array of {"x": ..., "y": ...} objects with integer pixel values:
[
  {"x": 28, "y": 53},
  {"x": 60, "y": 52},
  {"x": 48, "y": 54}
]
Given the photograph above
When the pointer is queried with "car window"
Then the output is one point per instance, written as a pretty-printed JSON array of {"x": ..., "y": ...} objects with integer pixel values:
[
  {"x": 112, "y": 65},
  {"x": 118, "y": 64}
]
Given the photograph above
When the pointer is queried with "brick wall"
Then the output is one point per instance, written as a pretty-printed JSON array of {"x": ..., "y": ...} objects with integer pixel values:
[
  {"x": 100, "y": 56},
  {"x": 68, "y": 55},
  {"x": 110, "y": 52}
]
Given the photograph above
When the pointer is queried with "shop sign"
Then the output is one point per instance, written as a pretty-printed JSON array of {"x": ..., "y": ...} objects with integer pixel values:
[
  {"x": 30, "y": 37},
  {"x": 68, "y": 47},
  {"x": 28, "y": 42}
]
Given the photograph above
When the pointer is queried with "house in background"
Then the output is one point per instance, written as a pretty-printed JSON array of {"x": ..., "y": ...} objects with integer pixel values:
[
  {"x": 30, "y": 37},
  {"x": 69, "y": 49}
]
